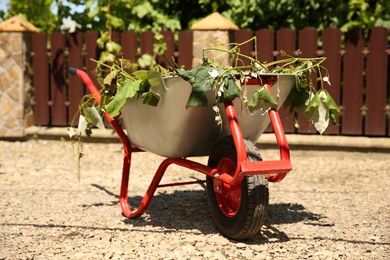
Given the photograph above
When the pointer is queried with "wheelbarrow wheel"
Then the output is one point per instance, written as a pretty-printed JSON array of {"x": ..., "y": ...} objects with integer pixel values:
[{"x": 239, "y": 210}]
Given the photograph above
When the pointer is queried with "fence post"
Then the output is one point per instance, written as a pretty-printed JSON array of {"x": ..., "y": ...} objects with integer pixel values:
[
  {"x": 147, "y": 41},
  {"x": 331, "y": 38},
  {"x": 353, "y": 83},
  {"x": 375, "y": 122},
  {"x": 185, "y": 49},
  {"x": 265, "y": 40},
  {"x": 92, "y": 53},
  {"x": 167, "y": 59},
  {"x": 40, "y": 68},
  {"x": 285, "y": 41},
  {"x": 76, "y": 88},
  {"x": 308, "y": 46},
  {"x": 241, "y": 36},
  {"x": 58, "y": 82},
  {"x": 129, "y": 46}
]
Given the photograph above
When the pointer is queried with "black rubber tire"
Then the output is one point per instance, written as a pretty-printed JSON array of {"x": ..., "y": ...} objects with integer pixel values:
[{"x": 252, "y": 210}]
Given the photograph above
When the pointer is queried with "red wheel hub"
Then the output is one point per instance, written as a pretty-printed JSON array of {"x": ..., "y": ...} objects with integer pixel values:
[{"x": 228, "y": 196}]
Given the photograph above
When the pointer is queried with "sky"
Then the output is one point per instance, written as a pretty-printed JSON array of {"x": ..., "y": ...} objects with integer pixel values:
[
  {"x": 3, "y": 4},
  {"x": 67, "y": 23}
]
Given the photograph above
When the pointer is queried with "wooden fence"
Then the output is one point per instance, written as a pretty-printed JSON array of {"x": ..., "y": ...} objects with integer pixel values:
[{"x": 358, "y": 68}]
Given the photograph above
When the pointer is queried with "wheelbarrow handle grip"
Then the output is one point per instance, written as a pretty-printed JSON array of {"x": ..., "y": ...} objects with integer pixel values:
[{"x": 72, "y": 71}]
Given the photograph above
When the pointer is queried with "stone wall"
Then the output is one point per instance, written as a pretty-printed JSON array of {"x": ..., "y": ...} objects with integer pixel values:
[
  {"x": 15, "y": 84},
  {"x": 213, "y": 38}
]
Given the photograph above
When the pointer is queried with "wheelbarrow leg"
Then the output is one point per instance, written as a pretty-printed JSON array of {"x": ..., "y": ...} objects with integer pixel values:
[
  {"x": 281, "y": 139},
  {"x": 123, "y": 200},
  {"x": 123, "y": 197}
]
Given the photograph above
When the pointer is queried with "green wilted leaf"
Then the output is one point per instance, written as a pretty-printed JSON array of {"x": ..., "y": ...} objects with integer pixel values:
[
  {"x": 262, "y": 99},
  {"x": 231, "y": 90},
  {"x": 197, "y": 99},
  {"x": 141, "y": 74},
  {"x": 334, "y": 110},
  {"x": 198, "y": 77},
  {"x": 267, "y": 97},
  {"x": 313, "y": 104},
  {"x": 297, "y": 99},
  {"x": 144, "y": 86},
  {"x": 92, "y": 116},
  {"x": 150, "y": 98},
  {"x": 318, "y": 110},
  {"x": 155, "y": 79},
  {"x": 201, "y": 81},
  {"x": 128, "y": 90}
]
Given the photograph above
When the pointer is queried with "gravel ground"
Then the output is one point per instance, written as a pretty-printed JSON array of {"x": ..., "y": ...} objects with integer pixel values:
[{"x": 333, "y": 205}]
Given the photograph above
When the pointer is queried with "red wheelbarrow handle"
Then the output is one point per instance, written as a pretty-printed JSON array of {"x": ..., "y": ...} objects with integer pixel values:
[
  {"x": 96, "y": 95},
  {"x": 88, "y": 82},
  {"x": 275, "y": 170}
]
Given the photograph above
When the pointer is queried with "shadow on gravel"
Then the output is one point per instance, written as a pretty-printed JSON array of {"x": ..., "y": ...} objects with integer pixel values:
[
  {"x": 181, "y": 210},
  {"x": 285, "y": 213},
  {"x": 188, "y": 210}
]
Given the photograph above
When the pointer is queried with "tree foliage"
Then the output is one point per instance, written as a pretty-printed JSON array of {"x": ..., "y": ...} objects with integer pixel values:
[
  {"x": 174, "y": 15},
  {"x": 137, "y": 15},
  {"x": 37, "y": 12},
  {"x": 297, "y": 14}
]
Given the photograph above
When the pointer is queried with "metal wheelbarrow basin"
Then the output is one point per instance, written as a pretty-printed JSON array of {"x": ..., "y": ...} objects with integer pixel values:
[{"x": 171, "y": 130}]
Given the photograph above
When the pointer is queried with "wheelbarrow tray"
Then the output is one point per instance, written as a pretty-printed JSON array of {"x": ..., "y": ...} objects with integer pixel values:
[{"x": 171, "y": 130}]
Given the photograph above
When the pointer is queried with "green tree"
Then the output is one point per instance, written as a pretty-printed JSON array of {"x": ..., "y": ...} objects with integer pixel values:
[
  {"x": 136, "y": 15},
  {"x": 297, "y": 14},
  {"x": 38, "y": 12},
  {"x": 174, "y": 15}
]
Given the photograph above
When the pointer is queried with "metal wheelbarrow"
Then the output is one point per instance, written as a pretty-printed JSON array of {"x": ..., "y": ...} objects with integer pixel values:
[{"x": 236, "y": 176}]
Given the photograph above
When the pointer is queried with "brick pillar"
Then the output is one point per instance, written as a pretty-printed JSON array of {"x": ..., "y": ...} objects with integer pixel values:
[
  {"x": 207, "y": 38},
  {"x": 15, "y": 87},
  {"x": 212, "y": 31}
]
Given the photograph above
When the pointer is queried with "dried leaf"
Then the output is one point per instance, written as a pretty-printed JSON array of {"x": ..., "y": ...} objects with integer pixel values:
[
  {"x": 71, "y": 132},
  {"x": 93, "y": 117},
  {"x": 318, "y": 111},
  {"x": 110, "y": 77},
  {"x": 83, "y": 124}
]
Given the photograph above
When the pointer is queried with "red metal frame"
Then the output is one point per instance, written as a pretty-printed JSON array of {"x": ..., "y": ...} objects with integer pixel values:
[
  {"x": 276, "y": 170},
  {"x": 228, "y": 196}
]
